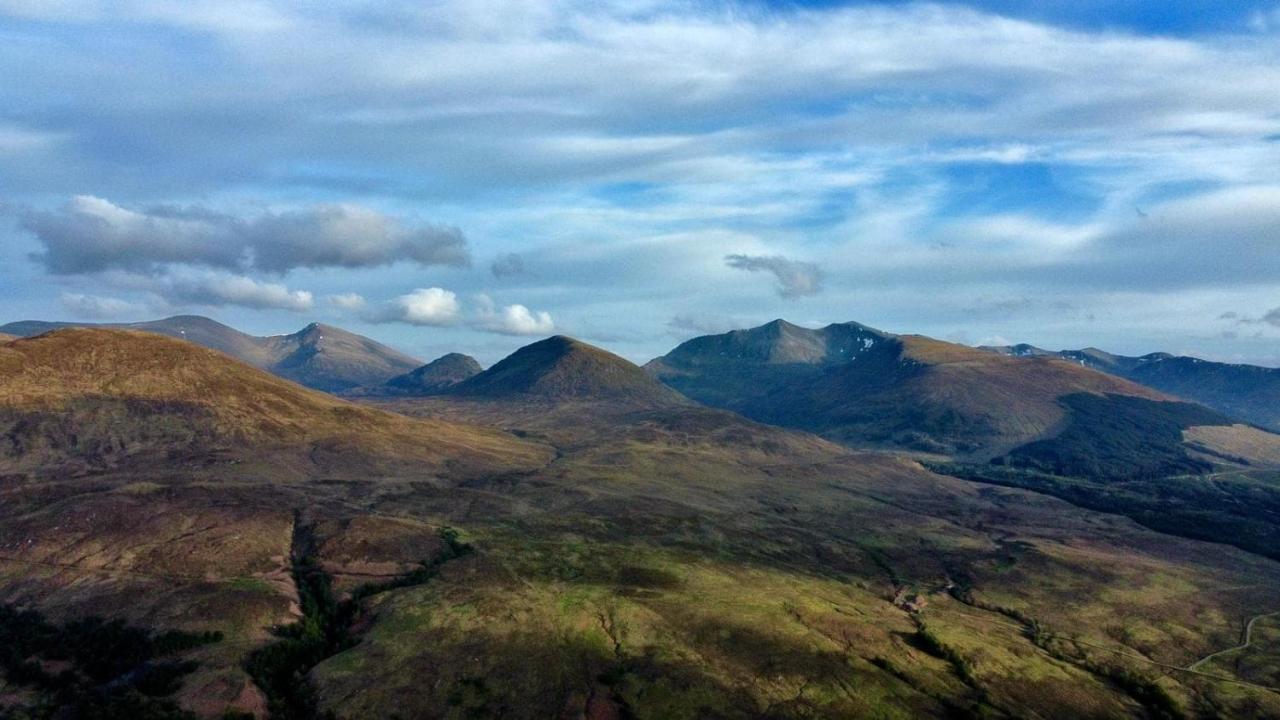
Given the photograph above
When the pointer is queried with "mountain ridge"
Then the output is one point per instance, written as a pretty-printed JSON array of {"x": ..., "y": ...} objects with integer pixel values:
[
  {"x": 1247, "y": 392},
  {"x": 858, "y": 385},
  {"x": 321, "y": 357}
]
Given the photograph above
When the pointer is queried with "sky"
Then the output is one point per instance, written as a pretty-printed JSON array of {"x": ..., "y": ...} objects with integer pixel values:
[{"x": 471, "y": 175}]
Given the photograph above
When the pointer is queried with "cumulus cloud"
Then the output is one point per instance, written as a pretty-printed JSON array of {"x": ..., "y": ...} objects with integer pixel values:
[
  {"x": 217, "y": 290},
  {"x": 91, "y": 234},
  {"x": 95, "y": 307},
  {"x": 511, "y": 319},
  {"x": 433, "y": 306},
  {"x": 793, "y": 278},
  {"x": 508, "y": 265}
]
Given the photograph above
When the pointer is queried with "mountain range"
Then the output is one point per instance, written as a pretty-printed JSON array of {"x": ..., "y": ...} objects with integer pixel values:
[
  {"x": 859, "y": 385},
  {"x": 1247, "y": 392},
  {"x": 568, "y": 535},
  {"x": 318, "y": 356}
]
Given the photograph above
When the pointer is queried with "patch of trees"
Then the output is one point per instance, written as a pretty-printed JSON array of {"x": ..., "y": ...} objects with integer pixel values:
[
  {"x": 94, "y": 669},
  {"x": 1117, "y": 437}
]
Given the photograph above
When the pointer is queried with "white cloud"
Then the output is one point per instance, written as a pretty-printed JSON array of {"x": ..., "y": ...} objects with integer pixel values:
[
  {"x": 216, "y": 290},
  {"x": 511, "y": 319},
  {"x": 424, "y": 306}
]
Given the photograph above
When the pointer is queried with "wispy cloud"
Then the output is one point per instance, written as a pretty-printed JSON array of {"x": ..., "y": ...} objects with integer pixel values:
[
  {"x": 96, "y": 307},
  {"x": 793, "y": 278}
]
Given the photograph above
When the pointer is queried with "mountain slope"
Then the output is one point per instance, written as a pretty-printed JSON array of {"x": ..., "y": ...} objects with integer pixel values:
[
  {"x": 95, "y": 398},
  {"x": 321, "y": 357},
  {"x": 1247, "y": 392},
  {"x": 443, "y": 372},
  {"x": 561, "y": 368},
  {"x": 332, "y": 359},
  {"x": 861, "y": 386}
]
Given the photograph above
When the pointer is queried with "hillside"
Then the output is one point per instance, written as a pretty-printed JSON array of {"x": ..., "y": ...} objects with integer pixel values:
[
  {"x": 321, "y": 357},
  {"x": 1247, "y": 392},
  {"x": 4, "y": 338},
  {"x": 443, "y": 372},
  {"x": 867, "y": 388},
  {"x": 95, "y": 397},
  {"x": 561, "y": 368}
]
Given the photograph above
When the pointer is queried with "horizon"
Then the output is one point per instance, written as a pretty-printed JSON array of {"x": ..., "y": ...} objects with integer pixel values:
[{"x": 636, "y": 174}]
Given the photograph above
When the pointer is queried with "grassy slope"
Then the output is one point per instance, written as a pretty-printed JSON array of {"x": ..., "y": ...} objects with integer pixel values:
[
  {"x": 711, "y": 559},
  {"x": 96, "y": 396}
]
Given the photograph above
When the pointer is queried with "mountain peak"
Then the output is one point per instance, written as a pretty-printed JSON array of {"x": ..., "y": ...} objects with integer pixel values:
[
  {"x": 564, "y": 368},
  {"x": 443, "y": 372}
]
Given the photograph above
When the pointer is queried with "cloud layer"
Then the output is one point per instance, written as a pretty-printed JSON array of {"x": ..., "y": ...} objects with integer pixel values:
[{"x": 922, "y": 167}]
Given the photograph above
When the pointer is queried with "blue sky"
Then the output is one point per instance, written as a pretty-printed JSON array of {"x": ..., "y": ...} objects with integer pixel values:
[{"x": 471, "y": 175}]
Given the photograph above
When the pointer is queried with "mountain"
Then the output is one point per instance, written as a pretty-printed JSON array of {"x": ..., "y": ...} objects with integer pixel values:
[
  {"x": 327, "y": 358},
  {"x": 726, "y": 370},
  {"x": 1247, "y": 392},
  {"x": 321, "y": 357},
  {"x": 562, "y": 368},
  {"x": 443, "y": 372},
  {"x": 857, "y": 385},
  {"x": 96, "y": 398},
  {"x": 865, "y": 387}
]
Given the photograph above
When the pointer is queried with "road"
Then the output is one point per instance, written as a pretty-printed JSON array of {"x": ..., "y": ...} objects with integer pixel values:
[{"x": 1248, "y": 640}]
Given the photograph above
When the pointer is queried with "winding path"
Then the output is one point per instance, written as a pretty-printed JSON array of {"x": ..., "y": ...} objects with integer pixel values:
[{"x": 1248, "y": 640}]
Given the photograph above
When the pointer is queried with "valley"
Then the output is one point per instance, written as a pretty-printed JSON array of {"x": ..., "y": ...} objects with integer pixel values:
[{"x": 561, "y": 535}]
